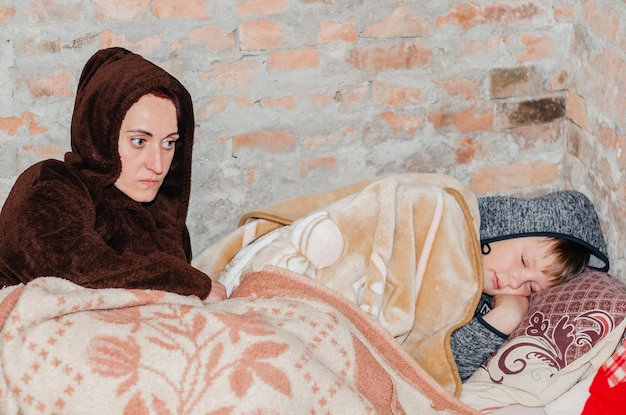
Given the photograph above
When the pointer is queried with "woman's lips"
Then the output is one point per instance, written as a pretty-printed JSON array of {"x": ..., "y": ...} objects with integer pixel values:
[{"x": 150, "y": 182}]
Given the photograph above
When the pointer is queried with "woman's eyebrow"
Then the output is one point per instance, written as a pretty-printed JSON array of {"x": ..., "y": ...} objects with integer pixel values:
[
  {"x": 149, "y": 134},
  {"x": 139, "y": 130}
]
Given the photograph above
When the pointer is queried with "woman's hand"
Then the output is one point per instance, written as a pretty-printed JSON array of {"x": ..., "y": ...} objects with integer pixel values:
[
  {"x": 508, "y": 312},
  {"x": 217, "y": 293}
]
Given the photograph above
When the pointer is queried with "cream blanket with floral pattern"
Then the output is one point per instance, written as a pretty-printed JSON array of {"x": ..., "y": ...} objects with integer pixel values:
[
  {"x": 404, "y": 249},
  {"x": 294, "y": 348}
]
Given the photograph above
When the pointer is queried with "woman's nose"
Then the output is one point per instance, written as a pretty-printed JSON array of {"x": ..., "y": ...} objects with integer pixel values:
[{"x": 155, "y": 161}]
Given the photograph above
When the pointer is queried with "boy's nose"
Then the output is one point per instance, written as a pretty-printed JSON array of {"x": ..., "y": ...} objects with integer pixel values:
[{"x": 515, "y": 281}]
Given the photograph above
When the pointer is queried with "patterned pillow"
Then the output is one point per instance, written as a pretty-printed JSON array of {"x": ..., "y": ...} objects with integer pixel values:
[{"x": 569, "y": 331}]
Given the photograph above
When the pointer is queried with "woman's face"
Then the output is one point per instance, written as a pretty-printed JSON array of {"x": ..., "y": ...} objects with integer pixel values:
[{"x": 146, "y": 146}]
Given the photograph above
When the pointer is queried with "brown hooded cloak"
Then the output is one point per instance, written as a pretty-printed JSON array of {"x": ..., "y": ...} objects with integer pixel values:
[{"x": 67, "y": 219}]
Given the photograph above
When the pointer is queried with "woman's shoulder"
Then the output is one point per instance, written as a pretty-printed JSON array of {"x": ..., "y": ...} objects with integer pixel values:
[
  {"x": 47, "y": 178},
  {"x": 51, "y": 171}
]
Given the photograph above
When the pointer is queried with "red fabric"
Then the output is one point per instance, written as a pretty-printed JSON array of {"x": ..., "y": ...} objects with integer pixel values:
[{"x": 608, "y": 387}]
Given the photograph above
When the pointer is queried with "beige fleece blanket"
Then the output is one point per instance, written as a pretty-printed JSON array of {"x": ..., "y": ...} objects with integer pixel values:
[
  {"x": 404, "y": 249},
  {"x": 294, "y": 347}
]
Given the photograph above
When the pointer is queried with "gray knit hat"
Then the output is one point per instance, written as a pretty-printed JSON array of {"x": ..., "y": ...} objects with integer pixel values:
[{"x": 564, "y": 214}]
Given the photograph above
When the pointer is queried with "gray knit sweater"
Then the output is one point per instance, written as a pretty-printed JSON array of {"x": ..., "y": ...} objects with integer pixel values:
[{"x": 474, "y": 342}]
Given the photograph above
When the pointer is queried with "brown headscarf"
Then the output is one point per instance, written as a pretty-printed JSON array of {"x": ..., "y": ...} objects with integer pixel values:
[{"x": 111, "y": 82}]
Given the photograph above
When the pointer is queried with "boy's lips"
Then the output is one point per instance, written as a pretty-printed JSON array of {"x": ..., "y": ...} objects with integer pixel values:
[{"x": 496, "y": 282}]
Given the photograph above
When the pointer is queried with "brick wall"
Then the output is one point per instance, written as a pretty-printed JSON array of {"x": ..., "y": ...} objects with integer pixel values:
[
  {"x": 294, "y": 96},
  {"x": 596, "y": 105}
]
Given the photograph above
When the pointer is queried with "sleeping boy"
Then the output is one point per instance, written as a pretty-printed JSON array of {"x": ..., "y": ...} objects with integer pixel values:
[{"x": 528, "y": 245}]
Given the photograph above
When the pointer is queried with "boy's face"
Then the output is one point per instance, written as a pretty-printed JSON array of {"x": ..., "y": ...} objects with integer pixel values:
[{"x": 515, "y": 266}]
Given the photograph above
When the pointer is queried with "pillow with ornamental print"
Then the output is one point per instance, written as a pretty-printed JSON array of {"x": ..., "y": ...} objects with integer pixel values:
[{"x": 568, "y": 332}]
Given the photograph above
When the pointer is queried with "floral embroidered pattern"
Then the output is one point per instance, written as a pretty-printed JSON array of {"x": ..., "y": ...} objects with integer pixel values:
[
  {"x": 120, "y": 351},
  {"x": 552, "y": 344},
  {"x": 181, "y": 330}
]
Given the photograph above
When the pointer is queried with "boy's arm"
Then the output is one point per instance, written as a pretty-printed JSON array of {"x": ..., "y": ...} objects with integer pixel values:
[
  {"x": 473, "y": 343},
  {"x": 507, "y": 313}
]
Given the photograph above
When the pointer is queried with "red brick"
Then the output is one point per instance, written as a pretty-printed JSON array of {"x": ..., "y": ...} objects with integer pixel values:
[
  {"x": 329, "y": 140},
  {"x": 576, "y": 110},
  {"x": 609, "y": 63},
  {"x": 6, "y": 14},
  {"x": 619, "y": 111},
  {"x": 56, "y": 85},
  {"x": 46, "y": 11},
  {"x": 533, "y": 111},
  {"x": 607, "y": 177},
  {"x": 260, "y": 35},
  {"x": 120, "y": 10},
  {"x": 468, "y": 15},
  {"x": 294, "y": 59},
  {"x": 196, "y": 9},
  {"x": 322, "y": 99},
  {"x": 388, "y": 57},
  {"x": 578, "y": 146},
  {"x": 251, "y": 175},
  {"x": 46, "y": 151},
  {"x": 312, "y": 143},
  {"x": 538, "y": 135},
  {"x": 273, "y": 142},
  {"x": 476, "y": 118},
  {"x": 351, "y": 96},
  {"x": 621, "y": 154},
  {"x": 243, "y": 101},
  {"x": 468, "y": 148},
  {"x": 401, "y": 23},
  {"x": 330, "y": 32},
  {"x": 285, "y": 102},
  {"x": 261, "y": 7},
  {"x": 403, "y": 123},
  {"x": 468, "y": 90},
  {"x": 607, "y": 137},
  {"x": 605, "y": 23},
  {"x": 515, "y": 82},
  {"x": 385, "y": 95},
  {"x": 559, "y": 80},
  {"x": 216, "y": 105},
  {"x": 210, "y": 36},
  {"x": 27, "y": 119},
  {"x": 536, "y": 48},
  {"x": 521, "y": 175},
  {"x": 486, "y": 47},
  {"x": 53, "y": 46},
  {"x": 329, "y": 163},
  {"x": 564, "y": 13},
  {"x": 235, "y": 75},
  {"x": 144, "y": 47}
]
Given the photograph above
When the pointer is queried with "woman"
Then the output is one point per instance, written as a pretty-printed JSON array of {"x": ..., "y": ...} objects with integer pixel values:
[{"x": 113, "y": 213}]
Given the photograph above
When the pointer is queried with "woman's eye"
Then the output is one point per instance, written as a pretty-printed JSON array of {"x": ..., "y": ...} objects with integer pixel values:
[
  {"x": 138, "y": 142},
  {"x": 169, "y": 144}
]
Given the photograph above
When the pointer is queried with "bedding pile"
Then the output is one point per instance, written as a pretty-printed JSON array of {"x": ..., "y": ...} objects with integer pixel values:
[
  {"x": 404, "y": 249},
  {"x": 292, "y": 347}
]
